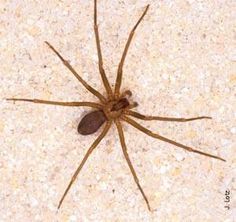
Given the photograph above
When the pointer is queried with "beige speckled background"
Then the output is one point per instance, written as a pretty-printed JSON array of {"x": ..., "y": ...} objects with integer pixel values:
[{"x": 181, "y": 63}]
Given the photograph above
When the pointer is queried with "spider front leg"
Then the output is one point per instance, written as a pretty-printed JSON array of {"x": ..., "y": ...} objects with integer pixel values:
[
  {"x": 126, "y": 155},
  {"x": 171, "y": 119},
  {"x": 56, "y": 103},
  {"x": 99, "y": 51},
  {"x": 157, "y": 136},
  {"x": 121, "y": 64}
]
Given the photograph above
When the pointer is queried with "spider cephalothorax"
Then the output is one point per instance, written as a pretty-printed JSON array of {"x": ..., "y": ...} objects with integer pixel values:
[
  {"x": 111, "y": 110},
  {"x": 115, "y": 107}
]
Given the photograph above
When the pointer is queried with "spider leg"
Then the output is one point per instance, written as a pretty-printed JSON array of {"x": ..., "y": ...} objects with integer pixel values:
[
  {"x": 90, "y": 150},
  {"x": 90, "y": 104},
  {"x": 126, "y": 155},
  {"x": 144, "y": 117},
  {"x": 120, "y": 67},
  {"x": 157, "y": 136},
  {"x": 100, "y": 60},
  {"x": 84, "y": 83}
]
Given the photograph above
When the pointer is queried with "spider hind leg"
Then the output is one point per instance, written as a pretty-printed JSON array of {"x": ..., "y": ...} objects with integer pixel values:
[{"x": 126, "y": 155}]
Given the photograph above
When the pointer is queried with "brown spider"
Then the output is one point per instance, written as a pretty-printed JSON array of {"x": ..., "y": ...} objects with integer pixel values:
[{"x": 113, "y": 108}]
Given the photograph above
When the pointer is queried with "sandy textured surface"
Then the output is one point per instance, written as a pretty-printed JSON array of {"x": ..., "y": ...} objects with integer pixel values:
[{"x": 181, "y": 63}]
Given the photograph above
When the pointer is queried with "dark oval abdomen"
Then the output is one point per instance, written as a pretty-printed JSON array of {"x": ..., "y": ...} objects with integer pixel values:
[{"x": 91, "y": 122}]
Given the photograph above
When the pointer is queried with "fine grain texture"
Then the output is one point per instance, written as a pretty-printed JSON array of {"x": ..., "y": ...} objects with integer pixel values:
[{"x": 181, "y": 63}]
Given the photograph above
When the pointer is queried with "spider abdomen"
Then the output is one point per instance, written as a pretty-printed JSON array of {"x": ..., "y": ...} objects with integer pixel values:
[{"x": 91, "y": 122}]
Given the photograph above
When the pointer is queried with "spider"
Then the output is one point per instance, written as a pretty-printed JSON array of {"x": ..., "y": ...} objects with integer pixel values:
[{"x": 114, "y": 107}]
